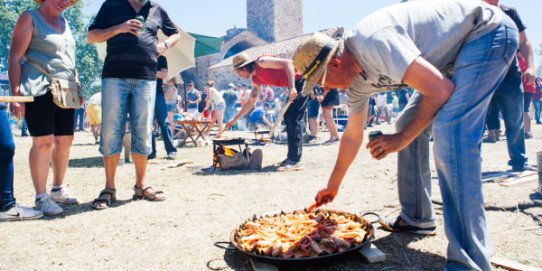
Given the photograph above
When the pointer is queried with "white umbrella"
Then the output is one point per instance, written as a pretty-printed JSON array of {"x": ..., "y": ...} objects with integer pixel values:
[{"x": 179, "y": 57}]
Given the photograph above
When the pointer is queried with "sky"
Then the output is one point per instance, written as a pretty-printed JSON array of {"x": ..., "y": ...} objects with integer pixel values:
[{"x": 214, "y": 17}]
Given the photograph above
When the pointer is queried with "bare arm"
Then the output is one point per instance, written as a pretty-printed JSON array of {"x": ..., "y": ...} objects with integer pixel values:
[
  {"x": 162, "y": 74},
  {"x": 131, "y": 26},
  {"x": 526, "y": 50},
  {"x": 270, "y": 62},
  {"x": 266, "y": 121},
  {"x": 348, "y": 150},
  {"x": 170, "y": 41},
  {"x": 20, "y": 40},
  {"x": 436, "y": 90},
  {"x": 246, "y": 107}
]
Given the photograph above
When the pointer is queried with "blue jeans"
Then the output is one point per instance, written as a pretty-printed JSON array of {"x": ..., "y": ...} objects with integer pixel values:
[
  {"x": 24, "y": 128},
  {"x": 120, "y": 97},
  {"x": 457, "y": 132},
  {"x": 537, "y": 109},
  {"x": 79, "y": 117},
  {"x": 509, "y": 100},
  {"x": 7, "y": 151},
  {"x": 294, "y": 117},
  {"x": 160, "y": 113}
]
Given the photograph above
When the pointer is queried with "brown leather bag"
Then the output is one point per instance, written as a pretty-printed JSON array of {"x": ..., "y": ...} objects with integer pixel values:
[{"x": 66, "y": 94}]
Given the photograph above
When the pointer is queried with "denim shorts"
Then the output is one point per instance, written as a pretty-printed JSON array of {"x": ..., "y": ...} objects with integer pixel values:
[
  {"x": 313, "y": 108},
  {"x": 120, "y": 97},
  {"x": 220, "y": 106},
  {"x": 331, "y": 99},
  {"x": 171, "y": 107}
]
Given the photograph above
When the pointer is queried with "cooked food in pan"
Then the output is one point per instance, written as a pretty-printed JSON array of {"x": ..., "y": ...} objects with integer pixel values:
[{"x": 301, "y": 234}]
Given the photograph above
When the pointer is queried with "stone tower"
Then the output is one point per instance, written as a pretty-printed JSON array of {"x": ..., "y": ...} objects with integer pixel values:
[{"x": 275, "y": 20}]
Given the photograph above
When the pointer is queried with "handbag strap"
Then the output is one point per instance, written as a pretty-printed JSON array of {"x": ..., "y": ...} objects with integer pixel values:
[{"x": 39, "y": 68}]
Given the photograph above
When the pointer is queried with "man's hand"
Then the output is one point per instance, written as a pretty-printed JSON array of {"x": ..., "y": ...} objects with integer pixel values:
[
  {"x": 386, "y": 144},
  {"x": 292, "y": 94},
  {"x": 325, "y": 196},
  {"x": 131, "y": 26}
]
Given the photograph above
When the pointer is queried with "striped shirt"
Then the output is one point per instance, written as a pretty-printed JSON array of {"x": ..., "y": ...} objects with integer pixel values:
[{"x": 130, "y": 56}]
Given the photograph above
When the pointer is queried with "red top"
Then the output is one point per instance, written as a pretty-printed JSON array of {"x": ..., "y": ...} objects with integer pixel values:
[
  {"x": 271, "y": 77},
  {"x": 523, "y": 67}
]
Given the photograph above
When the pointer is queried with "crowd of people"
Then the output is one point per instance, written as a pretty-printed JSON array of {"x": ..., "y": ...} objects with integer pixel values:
[{"x": 386, "y": 75}]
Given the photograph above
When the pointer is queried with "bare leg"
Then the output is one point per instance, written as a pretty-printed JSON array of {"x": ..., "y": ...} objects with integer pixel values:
[
  {"x": 110, "y": 164},
  {"x": 313, "y": 126},
  {"x": 61, "y": 155},
  {"x": 333, "y": 132},
  {"x": 172, "y": 124},
  {"x": 39, "y": 159},
  {"x": 95, "y": 129},
  {"x": 219, "y": 116},
  {"x": 140, "y": 162}
]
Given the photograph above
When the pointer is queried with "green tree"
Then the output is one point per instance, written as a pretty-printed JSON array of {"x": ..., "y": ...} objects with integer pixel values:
[{"x": 87, "y": 62}]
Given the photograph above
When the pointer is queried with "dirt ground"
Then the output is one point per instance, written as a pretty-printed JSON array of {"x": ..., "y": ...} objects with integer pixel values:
[{"x": 179, "y": 233}]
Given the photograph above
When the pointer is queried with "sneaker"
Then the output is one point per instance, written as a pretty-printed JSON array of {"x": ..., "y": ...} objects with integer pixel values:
[
  {"x": 399, "y": 225},
  {"x": 290, "y": 165},
  {"x": 284, "y": 162},
  {"x": 63, "y": 196},
  {"x": 528, "y": 135},
  {"x": 18, "y": 212},
  {"x": 331, "y": 141},
  {"x": 48, "y": 206},
  {"x": 311, "y": 140},
  {"x": 172, "y": 156}
]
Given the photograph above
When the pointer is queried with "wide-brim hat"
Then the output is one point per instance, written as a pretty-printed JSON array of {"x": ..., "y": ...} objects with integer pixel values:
[
  {"x": 72, "y": 2},
  {"x": 241, "y": 60},
  {"x": 312, "y": 56}
]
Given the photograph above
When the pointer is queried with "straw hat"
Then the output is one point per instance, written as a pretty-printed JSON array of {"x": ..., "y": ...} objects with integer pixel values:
[
  {"x": 312, "y": 56},
  {"x": 241, "y": 60},
  {"x": 72, "y": 2}
]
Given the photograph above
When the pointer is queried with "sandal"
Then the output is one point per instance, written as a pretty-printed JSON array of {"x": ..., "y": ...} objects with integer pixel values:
[
  {"x": 105, "y": 199},
  {"x": 148, "y": 193}
]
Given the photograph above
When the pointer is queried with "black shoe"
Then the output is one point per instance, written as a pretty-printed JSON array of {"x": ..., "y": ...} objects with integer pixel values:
[
  {"x": 151, "y": 156},
  {"x": 399, "y": 225}
]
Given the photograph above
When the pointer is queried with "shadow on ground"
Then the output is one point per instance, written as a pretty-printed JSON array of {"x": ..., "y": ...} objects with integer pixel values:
[
  {"x": 88, "y": 162},
  {"x": 70, "y": 210}
]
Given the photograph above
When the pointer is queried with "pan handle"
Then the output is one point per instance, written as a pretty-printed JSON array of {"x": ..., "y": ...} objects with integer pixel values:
[
  {"x": 378, "y": 217},
  {"x": 224, "y": 245}
]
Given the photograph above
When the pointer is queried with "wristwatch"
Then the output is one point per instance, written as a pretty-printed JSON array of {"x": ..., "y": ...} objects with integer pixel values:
[{"x": 166, "y": 43}]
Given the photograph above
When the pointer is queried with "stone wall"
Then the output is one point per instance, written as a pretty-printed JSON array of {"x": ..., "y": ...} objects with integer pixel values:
[
  {"x": 275, "y": 20},
  {"x": 268, "y": 21}
]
